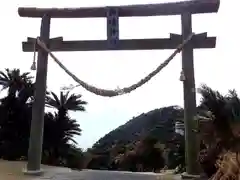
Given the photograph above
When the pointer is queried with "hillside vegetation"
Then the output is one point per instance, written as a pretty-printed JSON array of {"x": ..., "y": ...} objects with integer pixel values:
[{"x": 146, "y": 135}]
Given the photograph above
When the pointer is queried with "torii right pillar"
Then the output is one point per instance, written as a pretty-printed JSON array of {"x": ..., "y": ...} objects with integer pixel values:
[{"x": 191, "y": 142}]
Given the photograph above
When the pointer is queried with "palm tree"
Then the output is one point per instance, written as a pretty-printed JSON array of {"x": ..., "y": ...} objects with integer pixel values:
[
  {"x": 14, "y": 81},
  {"x": 19, "y": 85},
  {"x": 225, "y": 111},
  {"x": 65, "y": 127},
  {"x": 65, "y": 102},
  {"x": 15, "y": 112},
  {"x": 61, "y": 130},
  {"x": 220, "y": 107}
]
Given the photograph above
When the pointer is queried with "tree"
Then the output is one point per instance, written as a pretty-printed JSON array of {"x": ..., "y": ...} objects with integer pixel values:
[
  {"x": 63, "y": 105},
  {"x": 223, "y": 113},
  {"x": 16, "y": 113},
  {"x": 220, "y": 108},
  {"x": 67, "y": 128},
  {"x": 65, "y": 102},
  {"x": 15, "y": 128},
  {"x": 14, "y": 81},
  {"x": 149, "y": 153}
]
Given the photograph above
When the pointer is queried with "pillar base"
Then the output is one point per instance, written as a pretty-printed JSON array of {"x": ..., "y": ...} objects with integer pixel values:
[
  {"x": 33, "y": 172},
  {"x": 185, "y": 175}
]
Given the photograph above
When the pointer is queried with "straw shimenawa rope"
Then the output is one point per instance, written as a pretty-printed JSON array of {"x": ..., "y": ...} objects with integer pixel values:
[{"x": 111, "y": 93}]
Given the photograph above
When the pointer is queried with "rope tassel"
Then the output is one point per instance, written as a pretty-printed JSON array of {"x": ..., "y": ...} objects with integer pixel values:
[
  {"x": 33, "y": 66},
  {"x": 111, "y": 93}
]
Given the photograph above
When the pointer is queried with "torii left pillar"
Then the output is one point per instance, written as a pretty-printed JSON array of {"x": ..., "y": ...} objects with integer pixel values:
[{"x": 37, "y": 123}]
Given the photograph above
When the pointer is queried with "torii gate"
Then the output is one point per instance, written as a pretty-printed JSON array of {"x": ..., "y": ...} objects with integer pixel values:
[{"x": 185, "y": 9}]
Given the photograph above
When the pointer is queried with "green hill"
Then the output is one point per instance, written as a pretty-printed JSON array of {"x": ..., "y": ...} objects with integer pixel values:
[{"x": 158, "y": 123}]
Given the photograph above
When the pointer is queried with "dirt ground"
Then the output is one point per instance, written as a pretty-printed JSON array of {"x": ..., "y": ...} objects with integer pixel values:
[{"x": 13, "y": 170}]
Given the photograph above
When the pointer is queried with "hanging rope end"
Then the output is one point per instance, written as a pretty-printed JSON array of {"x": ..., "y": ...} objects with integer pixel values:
[
  {"x": 33, "y": 66},
  {"x": 182, "y": 76}
]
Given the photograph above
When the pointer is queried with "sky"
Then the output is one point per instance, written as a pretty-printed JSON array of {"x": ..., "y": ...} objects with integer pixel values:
[{"x": 217, "y": 67}]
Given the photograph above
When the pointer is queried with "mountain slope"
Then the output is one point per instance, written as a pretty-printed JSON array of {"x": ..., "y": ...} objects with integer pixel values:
[{"x": 158, "y": 123}]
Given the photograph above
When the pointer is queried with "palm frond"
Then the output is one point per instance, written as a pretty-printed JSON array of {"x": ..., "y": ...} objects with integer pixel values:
[
  {"x": 215, "y": 102},
  {"x": 233, "y": 105},
  {"x": 14, "y": 80},
  {"x": 72, "y": 102},
  {"x": 52, "y": 100}
]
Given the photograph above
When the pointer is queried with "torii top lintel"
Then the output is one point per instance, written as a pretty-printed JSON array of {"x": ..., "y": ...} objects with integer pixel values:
[{"x": 173, "y": 8}]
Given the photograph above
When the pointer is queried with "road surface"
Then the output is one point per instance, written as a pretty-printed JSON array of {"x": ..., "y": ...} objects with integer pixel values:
[{"x": 110, "y": 175}]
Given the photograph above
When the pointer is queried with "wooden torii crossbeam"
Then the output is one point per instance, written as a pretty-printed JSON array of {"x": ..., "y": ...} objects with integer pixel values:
[
  {"x": 175, "y": 8},
  {"x": 198, "y": 41},
  {"x": 112, "y": 14}
]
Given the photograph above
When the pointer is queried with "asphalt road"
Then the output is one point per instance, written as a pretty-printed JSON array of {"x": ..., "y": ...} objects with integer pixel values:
[{"x": 110, "y": 175}]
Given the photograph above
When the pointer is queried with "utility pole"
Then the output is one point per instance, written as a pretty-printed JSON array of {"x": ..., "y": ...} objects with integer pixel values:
[
  {"x": 184, "y": 8},
  {"x": 37, "y": 123}
]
